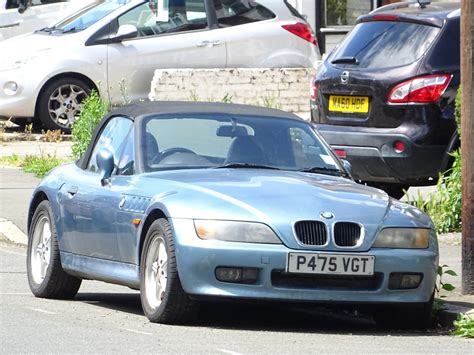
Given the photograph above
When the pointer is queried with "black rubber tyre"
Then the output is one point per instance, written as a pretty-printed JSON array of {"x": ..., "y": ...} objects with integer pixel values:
[
  {"x": 53, "y": 281},
  {"x": 405, "y": 317},
  {"x": 63, "y": 96},
  {"x": 172, "y": 305}
]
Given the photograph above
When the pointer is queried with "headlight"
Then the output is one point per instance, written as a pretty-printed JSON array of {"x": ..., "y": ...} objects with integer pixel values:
[
  {"x": 416, "y": 238},
  {"x": 231, "y": 231}
]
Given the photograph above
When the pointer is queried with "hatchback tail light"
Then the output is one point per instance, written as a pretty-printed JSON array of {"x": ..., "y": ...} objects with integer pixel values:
[
  {"x": 341, "y": 153},
  {"x": 302, "y": 30},
  {"x": 422, "y": 89},
  {"x": 313, "y": 89}
]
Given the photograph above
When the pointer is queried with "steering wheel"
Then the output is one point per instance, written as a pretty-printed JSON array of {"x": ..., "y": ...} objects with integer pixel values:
[{"x": 170, "y": 151}]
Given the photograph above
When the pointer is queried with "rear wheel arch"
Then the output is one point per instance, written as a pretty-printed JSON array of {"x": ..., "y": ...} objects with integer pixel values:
[
  {"x": 37, "y": 199},
  {"x": 453, "y": 145},
  {"x": 152, "y": 216}
]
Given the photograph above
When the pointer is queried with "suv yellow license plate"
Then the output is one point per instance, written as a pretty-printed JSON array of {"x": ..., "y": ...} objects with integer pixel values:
[
  {"x": 348, "y": 104},
  {"x": 322, "y": 263}
]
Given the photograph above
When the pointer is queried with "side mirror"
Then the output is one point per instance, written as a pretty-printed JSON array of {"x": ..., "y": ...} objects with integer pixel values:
[
  {"x": 347, "y": 166},
  {"x": 105, "y": 163},
  {"x": 23, "y": 5},
  {"x": 124, "y": 32}
]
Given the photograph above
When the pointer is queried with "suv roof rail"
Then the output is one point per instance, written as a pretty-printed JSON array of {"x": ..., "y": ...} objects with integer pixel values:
[{"x": 400, "y": 5}]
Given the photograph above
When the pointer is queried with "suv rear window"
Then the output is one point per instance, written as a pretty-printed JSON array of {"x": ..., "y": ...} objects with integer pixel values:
[{"x": 385, "y": 44}]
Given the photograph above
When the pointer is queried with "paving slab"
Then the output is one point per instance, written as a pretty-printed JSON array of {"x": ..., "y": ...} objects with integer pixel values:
[{"x": 39, "y": 148}]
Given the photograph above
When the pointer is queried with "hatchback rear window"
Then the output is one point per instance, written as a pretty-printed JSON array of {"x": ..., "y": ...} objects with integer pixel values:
[
  {"x": 384, "y": 44},
  {"x": 239, "y": 12}
]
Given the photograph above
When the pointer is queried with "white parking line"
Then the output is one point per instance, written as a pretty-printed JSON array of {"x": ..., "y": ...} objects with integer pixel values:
[
  {"x": 229, "y": 352},
  {"x": 136, "y": 331},
  {"x": 15, "y": 293},
  {"x": 40, "y": 310}
]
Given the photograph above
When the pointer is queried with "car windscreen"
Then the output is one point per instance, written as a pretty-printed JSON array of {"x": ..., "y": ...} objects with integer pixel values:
[
  {"x": 384, "y": 44},
  {"x": 89, "y": 16},
  {"x": 216, "y": 141}
]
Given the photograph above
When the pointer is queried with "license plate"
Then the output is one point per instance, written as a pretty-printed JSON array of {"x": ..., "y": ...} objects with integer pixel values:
[
  {"x": 319, "y": 263},
  {"x": 349, "y": 104}
]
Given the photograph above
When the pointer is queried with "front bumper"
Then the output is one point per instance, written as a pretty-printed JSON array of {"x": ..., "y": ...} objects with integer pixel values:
[
  {"x": 373, "y": 157},
  {"x": 198, "y": 259},
  {"x": 22, "y": 102}
]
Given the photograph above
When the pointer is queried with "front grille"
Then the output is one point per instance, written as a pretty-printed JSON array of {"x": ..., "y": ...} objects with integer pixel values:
[
  {"x": 346, "y": 234},
  {"x": 326, "y": 282},
  {"x": 311, "y": 232}
]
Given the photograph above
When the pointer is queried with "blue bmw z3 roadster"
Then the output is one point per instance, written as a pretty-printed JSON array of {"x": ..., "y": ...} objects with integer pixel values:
[{"x": 185, "y": 201}]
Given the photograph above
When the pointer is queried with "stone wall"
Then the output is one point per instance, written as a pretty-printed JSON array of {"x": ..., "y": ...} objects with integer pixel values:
[{"x": 286, "y": 89}]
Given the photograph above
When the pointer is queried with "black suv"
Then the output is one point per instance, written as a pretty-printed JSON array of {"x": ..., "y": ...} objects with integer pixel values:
[{"x": 384, "y": 98}]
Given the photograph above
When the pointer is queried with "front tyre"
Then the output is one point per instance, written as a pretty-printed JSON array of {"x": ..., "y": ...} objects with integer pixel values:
[
  {"x": 163, "y": 299},
  {"x": 60, "y": 103},
  {"x": 46, "y": 277},
  {"x": 405, "y": 317}
]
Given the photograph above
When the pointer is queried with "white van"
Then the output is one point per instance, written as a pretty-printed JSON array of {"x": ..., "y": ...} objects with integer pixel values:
[{"x": 40, "y": 14}]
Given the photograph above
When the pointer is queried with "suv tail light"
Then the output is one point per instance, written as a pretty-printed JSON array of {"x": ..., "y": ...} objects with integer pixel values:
[
  {"x": 313, "y": 89},
  {"x": 302, "y": 30},
  {"x": 422, "y": 89}
]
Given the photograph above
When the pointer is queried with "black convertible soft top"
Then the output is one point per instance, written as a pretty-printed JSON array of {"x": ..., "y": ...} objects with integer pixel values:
[
  {"x": 148, "y": 108},
  {"x": 183, "y": 107}
]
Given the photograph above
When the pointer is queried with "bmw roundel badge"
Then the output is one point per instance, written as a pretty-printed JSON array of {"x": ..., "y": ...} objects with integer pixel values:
[{"x": 327, "y": 215}]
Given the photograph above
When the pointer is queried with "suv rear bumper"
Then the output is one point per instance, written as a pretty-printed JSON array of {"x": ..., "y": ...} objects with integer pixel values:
[{"x": 373, "y": 157}]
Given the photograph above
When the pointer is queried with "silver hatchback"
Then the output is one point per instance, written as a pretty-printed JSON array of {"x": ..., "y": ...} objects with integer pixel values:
[{"x": 117, "y": 43}]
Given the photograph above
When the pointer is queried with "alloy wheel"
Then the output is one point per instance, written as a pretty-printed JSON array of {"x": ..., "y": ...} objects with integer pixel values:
[
  {"x": 65, "y": 104},
  {"x": 156, "y": 272},
  {"x": 41, "y": 249}
]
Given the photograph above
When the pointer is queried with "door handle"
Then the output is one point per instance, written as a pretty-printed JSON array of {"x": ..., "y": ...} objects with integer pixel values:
[
  {"x": 203, "y": 44},
  {"x": 208, "y": 43},
  {"x": 72, "y": 190}
]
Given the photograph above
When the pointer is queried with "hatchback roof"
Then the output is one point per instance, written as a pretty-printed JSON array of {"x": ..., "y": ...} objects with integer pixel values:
[{"x": 440, "y": 10}]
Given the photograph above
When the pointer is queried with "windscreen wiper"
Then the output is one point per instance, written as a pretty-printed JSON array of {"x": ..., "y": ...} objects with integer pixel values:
[
  {"x": 324, "y": 170},
  {"x": 345, "y": 60},
  {"x": 244, "y": 166},
  {"x": 72, "y": 29},
  {"x": 46, "y": 29}
]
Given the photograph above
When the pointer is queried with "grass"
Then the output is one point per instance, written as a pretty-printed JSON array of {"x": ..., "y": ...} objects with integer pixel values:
[{"x": 38, "y": 165}]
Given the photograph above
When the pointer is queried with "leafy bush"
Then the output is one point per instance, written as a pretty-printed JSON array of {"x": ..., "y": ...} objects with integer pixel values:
[
  {"x": 464, "y": 326},
  {"x": 94, "y": 108},
  {"x": 40, "y": 165}
]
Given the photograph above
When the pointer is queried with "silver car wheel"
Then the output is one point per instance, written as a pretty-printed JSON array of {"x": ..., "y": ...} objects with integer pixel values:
[
  {"x": 41, "y": 249},
  {"x": 156, "y": 272},
  {"x": 65, "y": 104}
]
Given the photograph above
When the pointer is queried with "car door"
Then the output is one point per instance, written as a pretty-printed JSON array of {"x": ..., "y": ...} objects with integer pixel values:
[
  {"x": 171, "y": 34},
  {"x": 88, "y": 209}
]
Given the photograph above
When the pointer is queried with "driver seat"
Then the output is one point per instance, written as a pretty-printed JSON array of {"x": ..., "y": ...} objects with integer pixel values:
[
  {"x": 152, "y": 150},
  {"x": 245, "y": 150}
]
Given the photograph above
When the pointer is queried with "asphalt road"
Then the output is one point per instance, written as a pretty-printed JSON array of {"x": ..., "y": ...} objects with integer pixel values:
[
  {"x": 16, "y": 189},
  {"x": 108, "y": 319}
]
